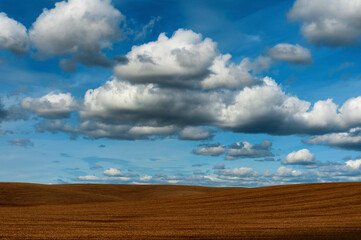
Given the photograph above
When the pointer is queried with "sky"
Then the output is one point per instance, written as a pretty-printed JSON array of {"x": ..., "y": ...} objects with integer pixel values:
[{"x": 212, "y": 93}]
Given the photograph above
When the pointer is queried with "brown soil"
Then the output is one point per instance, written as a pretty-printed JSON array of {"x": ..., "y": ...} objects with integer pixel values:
[{"x": 97, "y": 211}]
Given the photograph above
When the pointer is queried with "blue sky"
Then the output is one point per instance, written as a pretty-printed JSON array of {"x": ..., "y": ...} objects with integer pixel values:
[{"x": 215, "y": 93}]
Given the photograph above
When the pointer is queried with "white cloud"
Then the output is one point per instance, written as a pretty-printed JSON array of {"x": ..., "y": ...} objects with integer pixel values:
[
  {"x": 52, "y": 105},
  {"x": 149, "y": 130},
  {"x": 226, "y": 74},
  {"x": 355, "y": 164},
  {"x": 350, "y": 140},
  {"x": 171, "y": 61},
  {"x": 290, "y": 53},
  {"x": 88, "y": 178},
  {"x": 115, "y": 179},
  {"x": 351, "y": 111},
  {"x": 123, "y": 102},
  {"x": 113, "y": 172},
  {"x": 245, "y": 176},
  {"x": 96, "y": 129},
  {"x": 330, "y": 22},
  {"x": 350, "y": 117},
  {"x": 195, "y": 133},
  {"x": 122, "y": 110},
  {"x": 80, "y": 27},
  {"x": 287, "y": 172},
  {"x": 301, "y": 157},
  {"x": 210, "y": 150},
  {"x": 13, "y": 35},
  {"x": 92, "y": 178},
  {"x": 186, "y": 60},
  {"x": 237, "y": 172},
  {"x": 145, "y": 178}
]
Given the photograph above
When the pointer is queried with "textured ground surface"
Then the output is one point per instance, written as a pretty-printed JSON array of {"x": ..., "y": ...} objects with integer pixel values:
[{"x": 307, "y": 211}]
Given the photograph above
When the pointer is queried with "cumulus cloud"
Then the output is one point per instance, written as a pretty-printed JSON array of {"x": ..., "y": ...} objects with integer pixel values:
[
  {"x": 330, "y": 22},
  {"x": 13, "y": 35},
  {"x": 195, "y": 133},
  {"x": 81, "y": 28},
  {"x": 97, "y": 130},
  {"x": 183, "y": 60},
  {"x": 52, "y": 105},
  {"x": 210, "y": 149},
  {"x": 170, "y": 61},
  {"x": 277, "y": 113},
  {"x": 287, "y": 172},
  {"x": 290, "y": 53},
  {"x": 145, "y": 178},
  {"x": 88, "y": 178},
  {"x": 21, "y": 142},
  {"x": 113, "y": 172},
  {"x": 119, "y": 109},
  {"x": 237, "y": 172},
  {"x": 124, "y": 103},
  {"x": 242, "y": 176},
  {"x": 237, "y": 150},
  {"x": 92, "y": 178},
  {"x": 226, "y": 74},
  {"x": 350, "y": 140},
  {"x": 350, "y": 171},
  {"x": 301, "y": 157},
  {"x": 247, "y": 150},
  {"x": 355, "y": 164}
]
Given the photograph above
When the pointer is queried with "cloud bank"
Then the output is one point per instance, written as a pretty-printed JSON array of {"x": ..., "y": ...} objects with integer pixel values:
[{"x": 160, "y": 92}]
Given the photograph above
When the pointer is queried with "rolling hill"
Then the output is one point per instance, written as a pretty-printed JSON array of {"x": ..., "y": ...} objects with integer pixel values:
[{"x": 105, "y": 211}]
